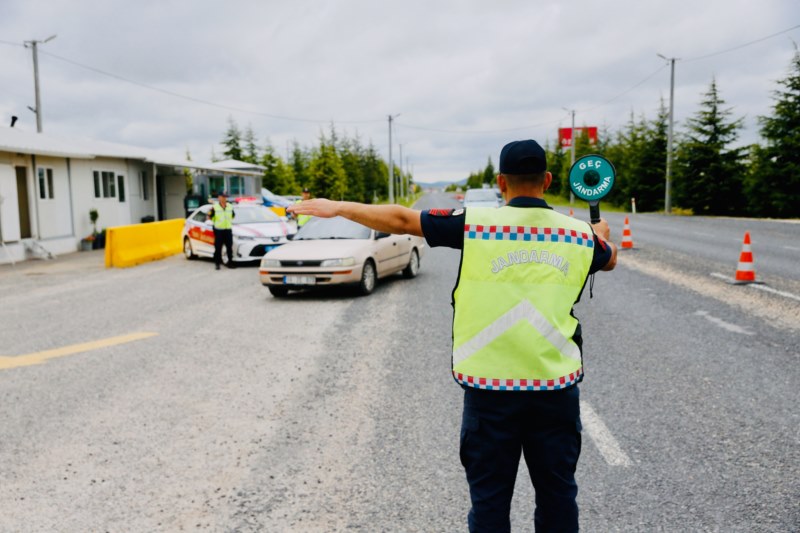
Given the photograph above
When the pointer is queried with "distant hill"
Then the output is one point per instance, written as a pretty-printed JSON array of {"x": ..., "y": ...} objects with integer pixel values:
[{"x": 441, "y": 184}]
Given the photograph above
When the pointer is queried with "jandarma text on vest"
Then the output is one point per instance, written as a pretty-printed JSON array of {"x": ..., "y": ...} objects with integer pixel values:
[{"x": 531, "y": 256}]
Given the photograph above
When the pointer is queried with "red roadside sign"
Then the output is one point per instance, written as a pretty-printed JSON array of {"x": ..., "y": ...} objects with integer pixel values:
[{"x": 565, "y": 136}]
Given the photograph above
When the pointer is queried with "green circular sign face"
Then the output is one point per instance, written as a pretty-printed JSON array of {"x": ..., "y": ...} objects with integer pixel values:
[{"x": 591, "y": 177}]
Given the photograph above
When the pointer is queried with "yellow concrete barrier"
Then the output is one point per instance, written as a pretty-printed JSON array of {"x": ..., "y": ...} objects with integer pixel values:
[{"x": 138, "y": 243}]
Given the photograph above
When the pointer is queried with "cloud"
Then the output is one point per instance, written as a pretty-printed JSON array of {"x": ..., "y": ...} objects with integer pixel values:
[{"x": 483, "y": 72}]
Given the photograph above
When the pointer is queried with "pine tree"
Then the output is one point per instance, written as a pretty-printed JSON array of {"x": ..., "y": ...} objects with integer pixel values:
[
  {"x": 232, "y": 141},
  {"x": 558, "y": 165},
  {"x": 489, "y": 175},
  {"x": 299, "y": 162},
  {"x": 350, "y": 153},
  {"x": 653, "y": 167},
  {"x": 250, "y": 150},
  {"x": 278, "y": 176},
  {"x": 709, "y": 175},
  {"x": 773, "y": 186},
  {"x": 327, "y": 178},
  {"x": 375, "y": 173}
]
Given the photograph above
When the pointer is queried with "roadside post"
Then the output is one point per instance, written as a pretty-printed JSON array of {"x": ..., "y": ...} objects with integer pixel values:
[{"x": 591, "y": 178}]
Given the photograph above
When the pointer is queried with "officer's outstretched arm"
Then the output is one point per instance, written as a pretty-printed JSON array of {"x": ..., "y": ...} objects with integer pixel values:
[{"x": 389, "y": 218}]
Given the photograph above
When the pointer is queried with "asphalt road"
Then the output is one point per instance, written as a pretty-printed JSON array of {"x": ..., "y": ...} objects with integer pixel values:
[{"x": 213, "y": 406}]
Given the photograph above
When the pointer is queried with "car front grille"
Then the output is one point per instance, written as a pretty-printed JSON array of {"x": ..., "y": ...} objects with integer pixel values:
[
  {"x": 260, "y": 250},
  {"x": 301, "y": 263}
]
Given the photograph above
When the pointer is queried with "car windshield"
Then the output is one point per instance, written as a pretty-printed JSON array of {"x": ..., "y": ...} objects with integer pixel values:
[
  {"x": 480, "y": 195},
  {"x": 331, "y": 228},
  {"x": 254, "y": 215}
]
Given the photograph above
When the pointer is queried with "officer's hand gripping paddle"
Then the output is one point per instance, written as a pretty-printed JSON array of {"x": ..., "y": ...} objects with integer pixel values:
[{"x": 591, "y": 178}]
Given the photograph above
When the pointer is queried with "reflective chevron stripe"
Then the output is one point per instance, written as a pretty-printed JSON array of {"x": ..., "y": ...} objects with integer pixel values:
[{"x": 522, "y": 311}]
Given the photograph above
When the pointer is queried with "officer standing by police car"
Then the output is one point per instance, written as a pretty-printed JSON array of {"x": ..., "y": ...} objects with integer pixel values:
[
  {"x": 221, "y": 215},
  {"x": 517, "y": 347}
]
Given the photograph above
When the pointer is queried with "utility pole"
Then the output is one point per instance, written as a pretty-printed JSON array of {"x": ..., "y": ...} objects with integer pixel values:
[
  {"x": 668, "y": 184},
  {"x": 571, "y": 149},
  {"x": 38, "y": 110},
  {"x": 391, "y": 165}
]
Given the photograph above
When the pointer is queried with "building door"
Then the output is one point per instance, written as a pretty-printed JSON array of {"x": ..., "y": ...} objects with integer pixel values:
[
  {"x": 22, "y": 199},
  {"x": 161, "y": 197}
]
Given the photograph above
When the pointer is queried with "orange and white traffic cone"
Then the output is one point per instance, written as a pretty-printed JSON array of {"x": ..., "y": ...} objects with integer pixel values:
[
  {"x": 745, "y": 270},
  {"x": 627, "y": 240},
  {"x": 571, "y": 212}
]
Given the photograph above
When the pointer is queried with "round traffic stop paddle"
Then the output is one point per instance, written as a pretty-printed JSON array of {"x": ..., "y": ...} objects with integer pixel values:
[{"x": 591, "y": 178}]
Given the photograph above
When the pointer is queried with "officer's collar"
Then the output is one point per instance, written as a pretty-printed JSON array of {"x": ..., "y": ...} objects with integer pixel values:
[{"x": 528, "y": 201}]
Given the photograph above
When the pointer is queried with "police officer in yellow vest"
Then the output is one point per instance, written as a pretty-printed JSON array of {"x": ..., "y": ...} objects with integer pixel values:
[
  {"x": 516, "y": 343},
  {"x": 302, "y": 219},
  {"x": 221, "y": 216}
]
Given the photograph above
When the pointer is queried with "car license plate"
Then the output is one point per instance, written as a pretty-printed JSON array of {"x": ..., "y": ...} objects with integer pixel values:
[{"x": 299, "y": 280}]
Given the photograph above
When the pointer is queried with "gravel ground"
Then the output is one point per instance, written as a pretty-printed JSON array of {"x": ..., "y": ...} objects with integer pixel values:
[{"x": 329, "y": 412}]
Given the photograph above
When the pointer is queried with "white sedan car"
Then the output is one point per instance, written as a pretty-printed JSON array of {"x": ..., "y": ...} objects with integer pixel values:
[
  {"x": 336, "y": 251},
  {"x": 256, "y": 231},
  {"x": 482, "y": 198}
]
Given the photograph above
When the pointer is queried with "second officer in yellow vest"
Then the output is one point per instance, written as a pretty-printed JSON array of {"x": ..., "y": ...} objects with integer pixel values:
[{"x": 221, "y": 216}]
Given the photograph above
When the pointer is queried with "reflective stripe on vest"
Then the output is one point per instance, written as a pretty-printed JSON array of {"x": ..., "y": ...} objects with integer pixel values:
[
  {"x": 223, "y": 216},
  {"x": 522, "y": 269}
]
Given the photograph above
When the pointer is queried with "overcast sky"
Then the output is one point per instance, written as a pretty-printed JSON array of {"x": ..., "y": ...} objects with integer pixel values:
[{"x": 464, "y": 77}]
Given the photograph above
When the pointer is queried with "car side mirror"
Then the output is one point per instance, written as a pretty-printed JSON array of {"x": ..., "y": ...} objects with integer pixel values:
[{"x": 381, "y": 235}]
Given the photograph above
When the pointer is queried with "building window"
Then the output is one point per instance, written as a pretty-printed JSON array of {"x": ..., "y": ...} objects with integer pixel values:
[
  {"x": 104, "y": 184},
  {"x": 121, "y": 187},
  {"x": 46, "y": 183},
  {"x": 145, "y": 186},
  {"x": 216, "y": 184},
  {"x": 237, "y": 186}
]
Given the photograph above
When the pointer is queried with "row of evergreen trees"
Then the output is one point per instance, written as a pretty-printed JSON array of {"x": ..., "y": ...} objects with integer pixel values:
[
  {"x": 338, "y": 167},
  {"x": 709, "y": 174}
]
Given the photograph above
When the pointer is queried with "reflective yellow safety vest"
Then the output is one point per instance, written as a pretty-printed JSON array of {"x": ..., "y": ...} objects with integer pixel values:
[
  {"x": 302, "y": 219},
  {"x": 223, "y": 217},
  {"x": 521, "y": 271}
]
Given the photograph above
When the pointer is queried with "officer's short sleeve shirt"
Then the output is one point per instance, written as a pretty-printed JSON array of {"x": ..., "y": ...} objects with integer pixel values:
[{"x": 445, "y": 227}]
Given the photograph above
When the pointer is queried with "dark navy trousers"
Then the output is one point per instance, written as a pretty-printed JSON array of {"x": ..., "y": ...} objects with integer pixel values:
[{"x": 498, "y": 427}]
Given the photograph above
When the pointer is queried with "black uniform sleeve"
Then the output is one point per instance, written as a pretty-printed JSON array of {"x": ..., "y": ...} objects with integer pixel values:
[
  {"x": 602, "y": 255},
  {"x": 443, "y": 227}
]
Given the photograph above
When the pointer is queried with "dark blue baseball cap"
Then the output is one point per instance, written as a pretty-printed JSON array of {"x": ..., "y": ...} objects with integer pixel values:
[{"x": 522, "y": 157}]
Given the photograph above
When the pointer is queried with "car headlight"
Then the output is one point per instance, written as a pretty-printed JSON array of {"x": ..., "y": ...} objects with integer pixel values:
[
  {"x": 343, "y": 262},
  {"x": 270, "y": 263}
]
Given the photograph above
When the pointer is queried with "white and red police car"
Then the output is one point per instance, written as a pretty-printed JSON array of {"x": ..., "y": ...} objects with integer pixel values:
[{"x": 256, "y": 230}]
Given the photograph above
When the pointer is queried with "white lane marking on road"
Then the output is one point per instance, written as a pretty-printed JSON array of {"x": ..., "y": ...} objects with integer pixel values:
[
  {"x": 721, "y": 323},
  {"x": 760, "y": 287},
  {"x": 703, "y": 234},
  {"x": 793, "y": 248},
  {"x": 602, "y": 437}
]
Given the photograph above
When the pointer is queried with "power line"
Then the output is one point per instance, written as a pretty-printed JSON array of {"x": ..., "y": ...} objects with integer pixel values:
[
  {"x": 742, "y": 45},
  {"x": 410, "y": 126},
  {"x": 623, "y": 93},
  {"x": 200, "y": 100},
  {"x": 531, "y": 126}
]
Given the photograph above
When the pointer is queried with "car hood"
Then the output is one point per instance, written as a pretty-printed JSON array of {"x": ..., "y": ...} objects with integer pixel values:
[
  {"x": 480, "y": 203},
  {"x": 260, "y": 229},
  {"x": 320, "y": 249}
]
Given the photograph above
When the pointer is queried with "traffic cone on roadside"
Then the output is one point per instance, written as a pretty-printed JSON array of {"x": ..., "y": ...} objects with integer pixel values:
[
  {"x": 627, "y": 240},
  {"x": 571, "y": 212},
  {"x": 745, "y": 270}
]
